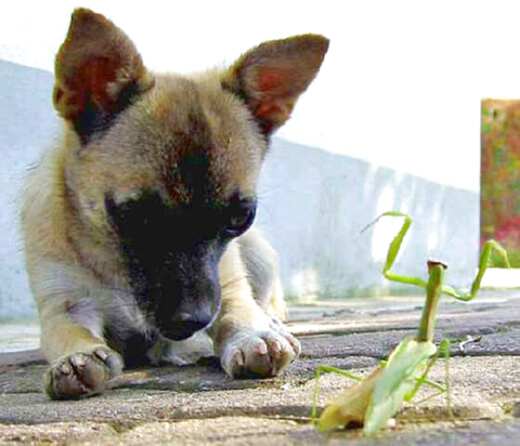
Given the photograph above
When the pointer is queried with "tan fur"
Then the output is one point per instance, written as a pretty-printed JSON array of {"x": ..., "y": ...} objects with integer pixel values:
[{"x": 76, "y": 270}]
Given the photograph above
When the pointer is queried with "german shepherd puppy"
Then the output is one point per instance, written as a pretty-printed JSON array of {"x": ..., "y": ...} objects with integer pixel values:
[{"x": 137, "y": 224}]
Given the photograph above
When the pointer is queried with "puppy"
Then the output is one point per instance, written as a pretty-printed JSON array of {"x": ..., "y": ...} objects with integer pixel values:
[{"x": 137, "y": 224}]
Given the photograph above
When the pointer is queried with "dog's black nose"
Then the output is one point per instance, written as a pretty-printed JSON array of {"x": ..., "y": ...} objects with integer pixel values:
[{"x": 183, "y": 325}]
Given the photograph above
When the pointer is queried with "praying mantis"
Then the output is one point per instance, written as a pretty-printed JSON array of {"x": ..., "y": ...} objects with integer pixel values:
[{"x": 374, "y": 399}]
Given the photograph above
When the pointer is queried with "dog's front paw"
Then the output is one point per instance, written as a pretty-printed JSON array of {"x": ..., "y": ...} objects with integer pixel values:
[
  {"x": 259, "y": 353},
  {"x": 82, "y": 374}
]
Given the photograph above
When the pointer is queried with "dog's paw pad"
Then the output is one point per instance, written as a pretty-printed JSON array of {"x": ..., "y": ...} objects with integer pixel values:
[
  {"x": 82, "y": 374},
  {"x": 259, "y": 354}
]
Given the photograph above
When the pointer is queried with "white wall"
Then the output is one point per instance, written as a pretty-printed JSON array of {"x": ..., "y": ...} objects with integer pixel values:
[
  {"x": 27, "y": 126},
  {"x": 313, "y": 204},
  {"x": 392, "y": 121},
  {"x": 400, "y": 87}
]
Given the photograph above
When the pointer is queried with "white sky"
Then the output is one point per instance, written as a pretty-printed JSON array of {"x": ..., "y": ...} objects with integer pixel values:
[{"x": 400, "y": 87}]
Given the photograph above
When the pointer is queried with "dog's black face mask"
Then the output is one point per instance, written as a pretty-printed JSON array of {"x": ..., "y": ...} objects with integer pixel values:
[{"x": 172, "y": 255}]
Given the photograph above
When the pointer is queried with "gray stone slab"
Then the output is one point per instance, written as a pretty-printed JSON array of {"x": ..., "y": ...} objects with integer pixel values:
[
  {"x": 206, "y": 376},
  {"x": 242, "y": 430},
  {"x": 376, "y": 345},
  {"x": 475, "y": 395},
  {"x": 480, "y": 433},
  {"x": 200, "y": 405},
  {"x": 504, "y": 343},
  {"x": 20, "y": 358},
  {"x": 57, "y": 433},
  {"x": 478, "y": 316},
  {"x": 26, "y": 379}
]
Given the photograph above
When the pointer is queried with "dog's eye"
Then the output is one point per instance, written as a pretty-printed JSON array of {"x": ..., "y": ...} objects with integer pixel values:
[{"x": 240, "y": 219}]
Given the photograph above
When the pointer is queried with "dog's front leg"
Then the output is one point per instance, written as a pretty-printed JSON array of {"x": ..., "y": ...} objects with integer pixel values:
[
  {"x": 81, "y": 362},
  {"x": 249, "y": 342}
]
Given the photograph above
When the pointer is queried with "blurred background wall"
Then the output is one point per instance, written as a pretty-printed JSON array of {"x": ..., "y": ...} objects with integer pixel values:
[{"x": 391, "y": 122}]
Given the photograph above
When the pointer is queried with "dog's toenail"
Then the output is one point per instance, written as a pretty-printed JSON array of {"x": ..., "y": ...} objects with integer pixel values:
[
  {"x": 65, "y": 369},
  {"x": 261, "y": 348},
  {"x": 239, "y": 358},
  {"x": 101, "y": 355},
  {"x": 77, "y": 361}
]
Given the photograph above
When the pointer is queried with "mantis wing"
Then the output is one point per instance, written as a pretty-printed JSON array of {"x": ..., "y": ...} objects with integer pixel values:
[
  {"x": 350, "y": 406},
  {"x": 396, "y": 381}
]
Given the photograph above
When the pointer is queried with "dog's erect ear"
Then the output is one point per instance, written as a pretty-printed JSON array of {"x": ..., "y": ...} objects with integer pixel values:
[
  {"x": 98, "y": 72},
  {"x": 271, "y": 76}
]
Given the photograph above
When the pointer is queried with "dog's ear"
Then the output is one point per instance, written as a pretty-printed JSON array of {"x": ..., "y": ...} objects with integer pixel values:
[
  {"x": 98, "y": 72},
  {"x": 270, "y": 77}
]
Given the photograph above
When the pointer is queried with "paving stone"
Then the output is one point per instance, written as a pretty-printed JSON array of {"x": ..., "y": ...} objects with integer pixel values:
[
  {"x": 375, "y": 345},
  {"x": 14, "y": 379},
  {"x": 57, "y": 433},
  {"x": 479, "y": 389},
  {"x": 477, "y": 433},
  {"x": 207, "y": 376},
  {"x": 200, "y": 405},
  {"x": 23, "y": 357},
  {"x": 260, "y": 431},
  {"x": 503, "y": 343},
  {"x": 222, "y": 431}
]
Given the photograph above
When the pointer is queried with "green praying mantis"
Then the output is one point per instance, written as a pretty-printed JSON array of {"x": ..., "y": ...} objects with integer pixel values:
[{"x": 376, "y": 398}]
